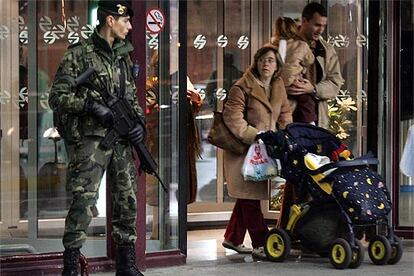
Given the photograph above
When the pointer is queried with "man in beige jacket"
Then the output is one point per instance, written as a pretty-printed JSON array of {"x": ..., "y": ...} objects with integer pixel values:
[{"x": 324, "y": 78}]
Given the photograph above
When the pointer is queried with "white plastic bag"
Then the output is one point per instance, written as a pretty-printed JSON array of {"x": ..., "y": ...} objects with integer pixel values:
[{"x": 257, "y": 165}]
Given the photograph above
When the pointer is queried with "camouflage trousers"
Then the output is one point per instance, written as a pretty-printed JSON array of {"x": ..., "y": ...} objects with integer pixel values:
[{"x": 87, "y": 164}]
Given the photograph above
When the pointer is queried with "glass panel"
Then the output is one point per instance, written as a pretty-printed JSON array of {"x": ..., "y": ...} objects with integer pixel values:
[
  {"x": 52, "y": 160},
  {"x": 23, "y": 107},
  {"x": 219, "y": 40},
  {"x": 288, "y": 8},
  {"x": 348, "y": 34},
  {"x": 406, "y": 199},
  {"x": 237, "y": 53},
  {"x": 162, "y": 124},
  {"x": 152, "y": 117},
  {"x": 202, "y": 70},
  {"x": 57, "y": 26},
  {"x": 13, "y": 119}
]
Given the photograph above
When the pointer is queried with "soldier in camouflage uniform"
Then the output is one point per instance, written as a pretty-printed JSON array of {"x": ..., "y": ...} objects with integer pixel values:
[{"x": 83, "y": 120}]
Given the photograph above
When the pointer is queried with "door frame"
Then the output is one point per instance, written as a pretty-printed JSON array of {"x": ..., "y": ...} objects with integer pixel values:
[
  {"x": 393, "y": 119},
  {"x": 259, "y": 33}
]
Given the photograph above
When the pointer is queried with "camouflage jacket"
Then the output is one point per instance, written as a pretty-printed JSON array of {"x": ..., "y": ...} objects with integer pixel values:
[{"x": 68, "y": 102}]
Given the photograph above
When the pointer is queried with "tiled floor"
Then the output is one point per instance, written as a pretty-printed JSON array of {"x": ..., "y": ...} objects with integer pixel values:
[{"x": 207, "y": 257}]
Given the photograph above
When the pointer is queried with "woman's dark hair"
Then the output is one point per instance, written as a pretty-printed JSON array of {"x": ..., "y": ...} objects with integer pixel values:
[
  {"x": 261, "y": 52},
  {"x": 312, "y": 8}
]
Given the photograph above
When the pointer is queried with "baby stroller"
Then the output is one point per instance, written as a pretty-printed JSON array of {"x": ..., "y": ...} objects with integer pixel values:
[{"x": 338, "y": 198}]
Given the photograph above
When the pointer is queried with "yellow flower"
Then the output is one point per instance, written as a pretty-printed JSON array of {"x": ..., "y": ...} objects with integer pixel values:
[
  {"x": 342, "y": 135},
  {"x": 339, "y": 111},
  {"x": 347, "y": 104}
]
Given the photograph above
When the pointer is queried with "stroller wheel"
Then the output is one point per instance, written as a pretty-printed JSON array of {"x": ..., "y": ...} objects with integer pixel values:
[
  {"x": 340, "y": 254},
  {"x": 357, "y": 255},
  {"x": 277, "y": 245},
  {"x": 379, "y": 250},
  {"x": 396, "y": 251}
]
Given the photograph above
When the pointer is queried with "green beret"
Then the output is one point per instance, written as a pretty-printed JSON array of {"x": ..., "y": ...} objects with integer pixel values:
[{"x": 116, "y": 7}]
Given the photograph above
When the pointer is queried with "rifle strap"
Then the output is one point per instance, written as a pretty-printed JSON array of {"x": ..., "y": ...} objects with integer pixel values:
[{"x": 122, "y": 78}]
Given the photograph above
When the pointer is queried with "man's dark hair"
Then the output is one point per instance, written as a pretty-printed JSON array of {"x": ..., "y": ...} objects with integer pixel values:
[
  {"x": 101, "y": 16},
  {"x": 312, "y": 8}
]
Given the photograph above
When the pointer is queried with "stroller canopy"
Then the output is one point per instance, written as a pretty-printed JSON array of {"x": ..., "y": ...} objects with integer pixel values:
[{"x": 314, "y": 139}]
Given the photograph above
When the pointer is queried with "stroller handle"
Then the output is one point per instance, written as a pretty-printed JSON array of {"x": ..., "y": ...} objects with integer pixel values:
[{"x": 362, "y": 161}]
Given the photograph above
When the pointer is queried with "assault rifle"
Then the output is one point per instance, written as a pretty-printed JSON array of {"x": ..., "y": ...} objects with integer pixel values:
[{"x": 125, "y": 118}]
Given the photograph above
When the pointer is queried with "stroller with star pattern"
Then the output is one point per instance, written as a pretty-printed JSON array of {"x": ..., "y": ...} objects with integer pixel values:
[{"x": 337, "y": 199}]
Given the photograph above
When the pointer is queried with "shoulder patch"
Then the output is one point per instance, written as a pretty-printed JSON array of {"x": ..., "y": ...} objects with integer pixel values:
[{"x": 90, "y": 48}]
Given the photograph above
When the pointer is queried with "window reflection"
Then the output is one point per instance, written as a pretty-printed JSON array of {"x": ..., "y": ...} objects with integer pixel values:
[
  {"x": 236, "y": 56},
  {"x": 23, "y": 108},
  {"x": 406, "y": 198},
  {"x": 56, "y": 28},
  {"x": 202, "y": 66},
  {"x": 13, "y": 118},
  {"x": 162, "y": 129},
  {"x": 219, "y": 40},
  {"x": 346, "y": 31}
]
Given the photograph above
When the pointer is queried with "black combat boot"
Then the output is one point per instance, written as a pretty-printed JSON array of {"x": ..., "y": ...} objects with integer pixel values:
[
  {"x": 71, "y": 262},
  {"x": 125, "y": 261}
]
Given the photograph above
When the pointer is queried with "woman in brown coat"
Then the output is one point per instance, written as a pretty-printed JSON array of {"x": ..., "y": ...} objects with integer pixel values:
[{"x": 267, "y": 109}]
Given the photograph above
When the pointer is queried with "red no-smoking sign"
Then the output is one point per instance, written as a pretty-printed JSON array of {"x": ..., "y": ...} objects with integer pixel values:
[{"x": 155, "y": 21}]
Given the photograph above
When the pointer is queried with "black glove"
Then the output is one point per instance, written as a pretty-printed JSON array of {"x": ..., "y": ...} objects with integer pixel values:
[
  {"x": 274, "y": 141},
  {"x": 137, "y": 134},
  {"x": 102, "y": 113},
  {"x": 268, "y": 137}
]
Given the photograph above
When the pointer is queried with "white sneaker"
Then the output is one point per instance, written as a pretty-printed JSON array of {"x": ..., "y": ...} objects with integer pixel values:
[
  {"x": 241, "y": 249},
  {"x": 259, "y": 253}
]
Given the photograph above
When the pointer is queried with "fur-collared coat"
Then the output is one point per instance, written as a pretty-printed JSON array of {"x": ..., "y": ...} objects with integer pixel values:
[{"x": 262, "y": 114}]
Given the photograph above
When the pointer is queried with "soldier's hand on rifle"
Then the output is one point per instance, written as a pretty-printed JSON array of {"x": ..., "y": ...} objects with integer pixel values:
[
  {"x": 102, "y": 113},
  {"x": 136, "y": 134}
]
